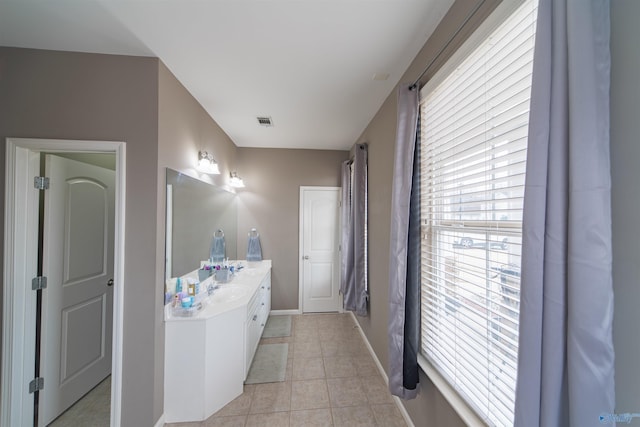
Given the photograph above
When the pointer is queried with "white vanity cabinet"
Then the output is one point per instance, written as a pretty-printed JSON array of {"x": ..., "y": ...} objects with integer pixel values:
[
  {"x": 208, "y": 355},
  {"x": 257, "y": 315}
]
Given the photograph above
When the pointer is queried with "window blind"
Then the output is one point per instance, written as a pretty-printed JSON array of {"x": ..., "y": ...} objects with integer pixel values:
[{"x": 474, "y": 126}]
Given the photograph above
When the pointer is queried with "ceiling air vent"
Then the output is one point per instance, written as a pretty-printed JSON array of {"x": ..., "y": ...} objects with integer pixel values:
[{"x": 265, "y": 121}]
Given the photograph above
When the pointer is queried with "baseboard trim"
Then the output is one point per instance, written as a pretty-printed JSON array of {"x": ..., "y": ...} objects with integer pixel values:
[
  {"x": 396, "y": 399},
  {"x": 160, "y": 422},
  {"x": 284, "y": 312}
]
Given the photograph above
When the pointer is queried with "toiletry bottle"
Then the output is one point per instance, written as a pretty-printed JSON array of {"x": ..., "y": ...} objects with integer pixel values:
[{"x": 178, "y": 285}]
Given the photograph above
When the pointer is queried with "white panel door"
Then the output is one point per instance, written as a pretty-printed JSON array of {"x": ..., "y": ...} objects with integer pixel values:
[
  {"x": 320, "y": 249},
  {"x": 77, "y": 305}
]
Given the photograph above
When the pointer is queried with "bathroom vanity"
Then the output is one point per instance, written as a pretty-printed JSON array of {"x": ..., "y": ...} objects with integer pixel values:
[{"x": 208, "y": 351}]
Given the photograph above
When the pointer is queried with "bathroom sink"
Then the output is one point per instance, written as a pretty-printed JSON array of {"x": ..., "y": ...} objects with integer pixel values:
[{"x": 229, "y": 293}]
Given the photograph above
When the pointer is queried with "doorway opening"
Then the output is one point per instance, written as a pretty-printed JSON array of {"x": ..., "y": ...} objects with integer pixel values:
[{"x": 69, "y": 313}]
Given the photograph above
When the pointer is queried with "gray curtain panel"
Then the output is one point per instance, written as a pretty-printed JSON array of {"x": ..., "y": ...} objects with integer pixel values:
[
  {"x": 566, "y": 356},
  {"x": 346, "y": 258},
  {"x": 410, "y": 368},
  {"x": 398, "y": 250},
  {"x": 354, "y": 284}
]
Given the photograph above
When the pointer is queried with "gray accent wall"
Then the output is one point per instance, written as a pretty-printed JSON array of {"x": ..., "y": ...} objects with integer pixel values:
[
  {"x": 184, "y": 128},
  {"x": 625, "y": 176},
  {"x": 430, "y": 408},
  {"x": 271, "y": 203},
  {"x": 64, "y": 95}
]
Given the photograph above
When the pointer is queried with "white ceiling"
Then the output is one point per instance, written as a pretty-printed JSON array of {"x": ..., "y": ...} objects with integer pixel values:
[{"x": 309, "y": 64}]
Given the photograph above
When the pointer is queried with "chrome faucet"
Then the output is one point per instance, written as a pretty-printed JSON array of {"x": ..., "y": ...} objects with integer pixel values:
[{"x": 211, "y": 288}]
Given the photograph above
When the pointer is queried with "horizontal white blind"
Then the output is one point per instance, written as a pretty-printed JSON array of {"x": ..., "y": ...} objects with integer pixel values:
[{"x": 473, "y": 156}]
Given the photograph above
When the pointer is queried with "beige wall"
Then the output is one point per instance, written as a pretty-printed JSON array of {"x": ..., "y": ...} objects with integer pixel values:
[
  {"x": 271, "y": 203},
  {"x": 62, "y": 95},
  {"x": 429, "y": 408},
  {"x": 625, "y": 175}
]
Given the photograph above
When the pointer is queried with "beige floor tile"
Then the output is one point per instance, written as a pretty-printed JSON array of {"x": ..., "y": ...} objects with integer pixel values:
[
  {"x": 366, "y": 366},
  {"x": 340, "y": 367},
  {"x": 238, "y": 406},
  {"x": 333, "y": 334},
  {"x": 331, "y": 379},
  {"x": 388, "y": 415},
  {"x": 352, "y": 348},
  {"x": 305, "y": 321},
  {"x": 249, "y": 389},
  {"x": 354, "y": 416},
  {"x": 292, "y": 345},
  {"x": 288, "y": 373},
  {"x": 330, "y": 348},
  {"x": 311, "y": 418},
  {"x": 272, "y": 397},
  {"x": 94, "y": 409},
  {"x": 309, "y": 394},
  {"x": 236, "y": 421},
  {"x": 276, "y": 419},
  {"x": 308, "y": 369},
  {"x": 376, "y": 390},
  {"x": 346, "y": 392},
  {"x": 307, "y": 349}
]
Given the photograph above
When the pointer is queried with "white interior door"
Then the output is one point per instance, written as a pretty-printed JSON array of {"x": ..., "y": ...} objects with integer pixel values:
[
  {"x": 320, "y": 265},
  {"x": 77, "y": 306}
]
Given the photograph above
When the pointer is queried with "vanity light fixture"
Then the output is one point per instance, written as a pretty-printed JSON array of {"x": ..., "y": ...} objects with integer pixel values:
[
  {"x": 235, "y": 180},
  {"x": 207, "y": 164}
]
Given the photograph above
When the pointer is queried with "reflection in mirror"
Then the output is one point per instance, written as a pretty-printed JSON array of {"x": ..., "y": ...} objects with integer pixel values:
[{"x": 195, "y": 210}]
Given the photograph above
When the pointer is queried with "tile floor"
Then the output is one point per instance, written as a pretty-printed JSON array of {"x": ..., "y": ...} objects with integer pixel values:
[
  {"x": 93, "y": 410},
  {"x": 331, "y": 380}
]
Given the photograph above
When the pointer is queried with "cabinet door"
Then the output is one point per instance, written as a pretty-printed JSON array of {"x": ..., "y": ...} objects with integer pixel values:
[{"x": 252, "y": 337}]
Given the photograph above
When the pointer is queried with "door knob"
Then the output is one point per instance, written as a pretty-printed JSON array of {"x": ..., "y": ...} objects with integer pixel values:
[
  {"x": 110, "y": 282},
  {"x": 305, "y": 257}
]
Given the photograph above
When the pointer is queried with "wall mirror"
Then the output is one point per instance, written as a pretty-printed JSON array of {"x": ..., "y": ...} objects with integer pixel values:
[{"x": 195, "y": 210}]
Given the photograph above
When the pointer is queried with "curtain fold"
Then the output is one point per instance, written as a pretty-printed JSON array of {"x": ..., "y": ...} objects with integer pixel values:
[
  {"x": 346, "y": 256},
  {"x": 404, "y": 276},
  {"x": 353, "y": 284},
  {"x": 566, "y": 355}
]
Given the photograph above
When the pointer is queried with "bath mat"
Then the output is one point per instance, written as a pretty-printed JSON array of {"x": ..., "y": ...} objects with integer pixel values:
[
  {"x": 269, "y": 364},
  {"x": 277, "y": 326}
]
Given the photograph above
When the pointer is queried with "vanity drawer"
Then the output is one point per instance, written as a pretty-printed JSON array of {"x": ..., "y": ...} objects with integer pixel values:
[{"x": 257, "y": 314}]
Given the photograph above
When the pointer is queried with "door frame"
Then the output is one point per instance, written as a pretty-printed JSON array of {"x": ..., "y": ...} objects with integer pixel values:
[
  {"x": 340, "y": 307},
  {"x": 20, "y": 266}
]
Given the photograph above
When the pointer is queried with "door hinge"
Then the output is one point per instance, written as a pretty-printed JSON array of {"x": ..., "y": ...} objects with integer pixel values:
[
  {"x": 39, "y": 282},
  {"x": 41, "y": 183},
  {"x": 36, "y": 384}
]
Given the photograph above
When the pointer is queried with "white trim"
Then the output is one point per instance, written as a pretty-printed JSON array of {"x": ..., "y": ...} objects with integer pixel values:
[
  {"x": 160, "y": 422},
  {"x": 21, "y": 207},
  {"x": 383, "y": 373},
  {"x": 22, "y": 163},
  {"x": 300, "y": 248},
  {"x": 284, "y": 312},
  {"x": 462, "y": 408}
]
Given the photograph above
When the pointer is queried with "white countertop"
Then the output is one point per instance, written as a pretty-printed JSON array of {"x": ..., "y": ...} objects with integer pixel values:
[{"x": 236, "y": 293}]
